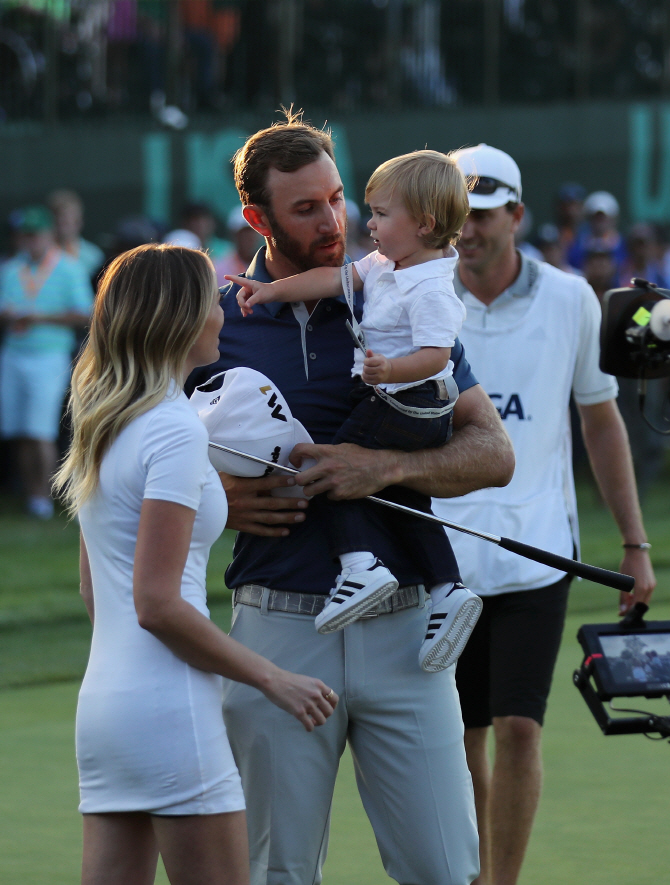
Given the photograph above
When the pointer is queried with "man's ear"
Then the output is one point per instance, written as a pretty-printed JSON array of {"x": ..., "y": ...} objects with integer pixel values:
[
  {"x": 257, "y": 218},
  {"x": 517, "y": 216},
  {"x": 426, "y": 225}
]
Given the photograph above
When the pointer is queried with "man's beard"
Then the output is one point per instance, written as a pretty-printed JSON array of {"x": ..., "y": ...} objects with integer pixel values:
[{"x": 305, "y": 259}]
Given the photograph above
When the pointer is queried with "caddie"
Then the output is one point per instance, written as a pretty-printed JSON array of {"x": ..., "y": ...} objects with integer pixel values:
[
  {"x": 403, "y": 725},
  {"x": 532, "y": 334}
]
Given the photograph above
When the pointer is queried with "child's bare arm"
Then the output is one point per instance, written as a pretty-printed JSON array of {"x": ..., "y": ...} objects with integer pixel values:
[
  {"x": 320, "y": 282},
  {"x": 427, "y": 361}
]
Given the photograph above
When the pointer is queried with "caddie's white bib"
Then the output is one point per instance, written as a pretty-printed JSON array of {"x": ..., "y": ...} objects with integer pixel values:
[{"x": 527, "y": 369}]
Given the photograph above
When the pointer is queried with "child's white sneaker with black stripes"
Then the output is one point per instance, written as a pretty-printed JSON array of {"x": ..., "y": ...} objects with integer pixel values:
[
  {"x": 450, "y": 624},
  {"x": 354, "y": 594}
]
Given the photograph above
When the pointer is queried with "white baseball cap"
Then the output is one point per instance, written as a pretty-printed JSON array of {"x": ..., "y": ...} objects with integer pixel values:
[
  {"x": 498, "y": 179},
  {"x": 243, "y": 409},
  {"x": 601, "y": 201},
  {"x": 182, "y": 237}
]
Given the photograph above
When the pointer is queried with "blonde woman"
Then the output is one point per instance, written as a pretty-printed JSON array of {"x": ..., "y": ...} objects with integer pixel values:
[{"x": 156, "y": 770}]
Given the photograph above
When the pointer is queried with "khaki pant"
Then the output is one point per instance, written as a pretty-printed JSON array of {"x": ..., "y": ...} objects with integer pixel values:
[{"x": 405, "y": 731}]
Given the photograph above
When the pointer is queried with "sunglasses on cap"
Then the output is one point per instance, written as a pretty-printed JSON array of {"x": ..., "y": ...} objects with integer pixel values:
[{"x": 485, "y": 186}]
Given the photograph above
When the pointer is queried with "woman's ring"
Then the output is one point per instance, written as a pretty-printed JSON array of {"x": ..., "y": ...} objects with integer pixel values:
[{"x": 330, "y": 694}]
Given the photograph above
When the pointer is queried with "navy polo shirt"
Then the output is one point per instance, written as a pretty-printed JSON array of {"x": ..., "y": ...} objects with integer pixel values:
[{"x": 309, "y": 358}]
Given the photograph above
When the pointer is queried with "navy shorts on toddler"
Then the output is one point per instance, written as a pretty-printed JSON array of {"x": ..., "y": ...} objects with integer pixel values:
[{"x": 374, "y": 424}]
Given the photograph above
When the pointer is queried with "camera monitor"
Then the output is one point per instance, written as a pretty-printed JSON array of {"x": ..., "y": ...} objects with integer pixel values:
[{"x": 628, "y": 663}]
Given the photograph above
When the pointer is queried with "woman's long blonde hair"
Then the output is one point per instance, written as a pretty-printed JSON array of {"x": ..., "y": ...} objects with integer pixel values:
[{"x": 151, "y": 306}]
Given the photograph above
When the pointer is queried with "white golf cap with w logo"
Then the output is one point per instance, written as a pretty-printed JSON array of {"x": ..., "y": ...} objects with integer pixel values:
[{"x": 243, "y": 409}]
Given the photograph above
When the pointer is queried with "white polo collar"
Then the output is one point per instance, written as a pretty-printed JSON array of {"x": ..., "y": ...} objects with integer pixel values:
[
  {"x": 408, "y": 277},
  {"x": 522, "y": 287}
]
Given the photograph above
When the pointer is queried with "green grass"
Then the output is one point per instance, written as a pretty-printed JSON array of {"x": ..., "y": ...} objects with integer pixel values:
[
  {"x": 604, "y": 809},
  {"x": 603, "y": 814},
  {"x": 602, "y": 820},
  {"x": 40, "y": 836},
  {"x": 38, "y": 565},
  {"x": 44, "y": 628},
  {"x": 38, "y": 561},
  {"x": 601, "y": 544}
]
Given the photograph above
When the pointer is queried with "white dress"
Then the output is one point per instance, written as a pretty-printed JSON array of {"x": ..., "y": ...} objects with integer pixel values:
[{"x": 150, "y": 734}]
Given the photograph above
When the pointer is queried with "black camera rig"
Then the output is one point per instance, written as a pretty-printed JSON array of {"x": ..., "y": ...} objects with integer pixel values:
[
  {"x": 626, "y": 660},
  {"x": 635, "y": 336}
]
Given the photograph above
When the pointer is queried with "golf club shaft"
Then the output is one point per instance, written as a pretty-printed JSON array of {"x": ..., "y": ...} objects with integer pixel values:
[{"x": 571, "y": 566}]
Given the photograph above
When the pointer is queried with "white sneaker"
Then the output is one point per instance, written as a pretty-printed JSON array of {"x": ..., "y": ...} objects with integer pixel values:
[
  {"x": 354, "y": 594},
  {"x": 449, "y": 627}
]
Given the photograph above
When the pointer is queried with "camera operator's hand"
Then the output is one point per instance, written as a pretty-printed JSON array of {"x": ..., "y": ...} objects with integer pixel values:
[{"x": 637, "y": 564}]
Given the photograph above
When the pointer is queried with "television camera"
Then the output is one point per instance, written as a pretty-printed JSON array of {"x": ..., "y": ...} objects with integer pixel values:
[
  {"x": 631, "y": 658},
  {"x": 635, "y": 336}
]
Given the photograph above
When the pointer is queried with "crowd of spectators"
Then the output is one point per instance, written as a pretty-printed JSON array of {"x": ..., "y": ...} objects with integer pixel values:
[
  {"x": 49, "y": 273},
  {"x": 47, "y": 280},
  {"x": 85, "y": 58}
]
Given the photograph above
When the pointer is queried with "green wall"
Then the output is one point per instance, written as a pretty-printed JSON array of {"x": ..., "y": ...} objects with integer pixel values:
[{"x": 124, "y": 168}]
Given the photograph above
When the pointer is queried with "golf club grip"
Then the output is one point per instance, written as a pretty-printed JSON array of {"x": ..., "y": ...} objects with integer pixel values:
[{"x": 590, "y": 572}]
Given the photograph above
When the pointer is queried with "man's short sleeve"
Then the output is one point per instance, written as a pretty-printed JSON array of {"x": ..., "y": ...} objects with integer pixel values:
[
  {"x": 590, "y": 385},
  {"x": 463, "y": 375}
]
